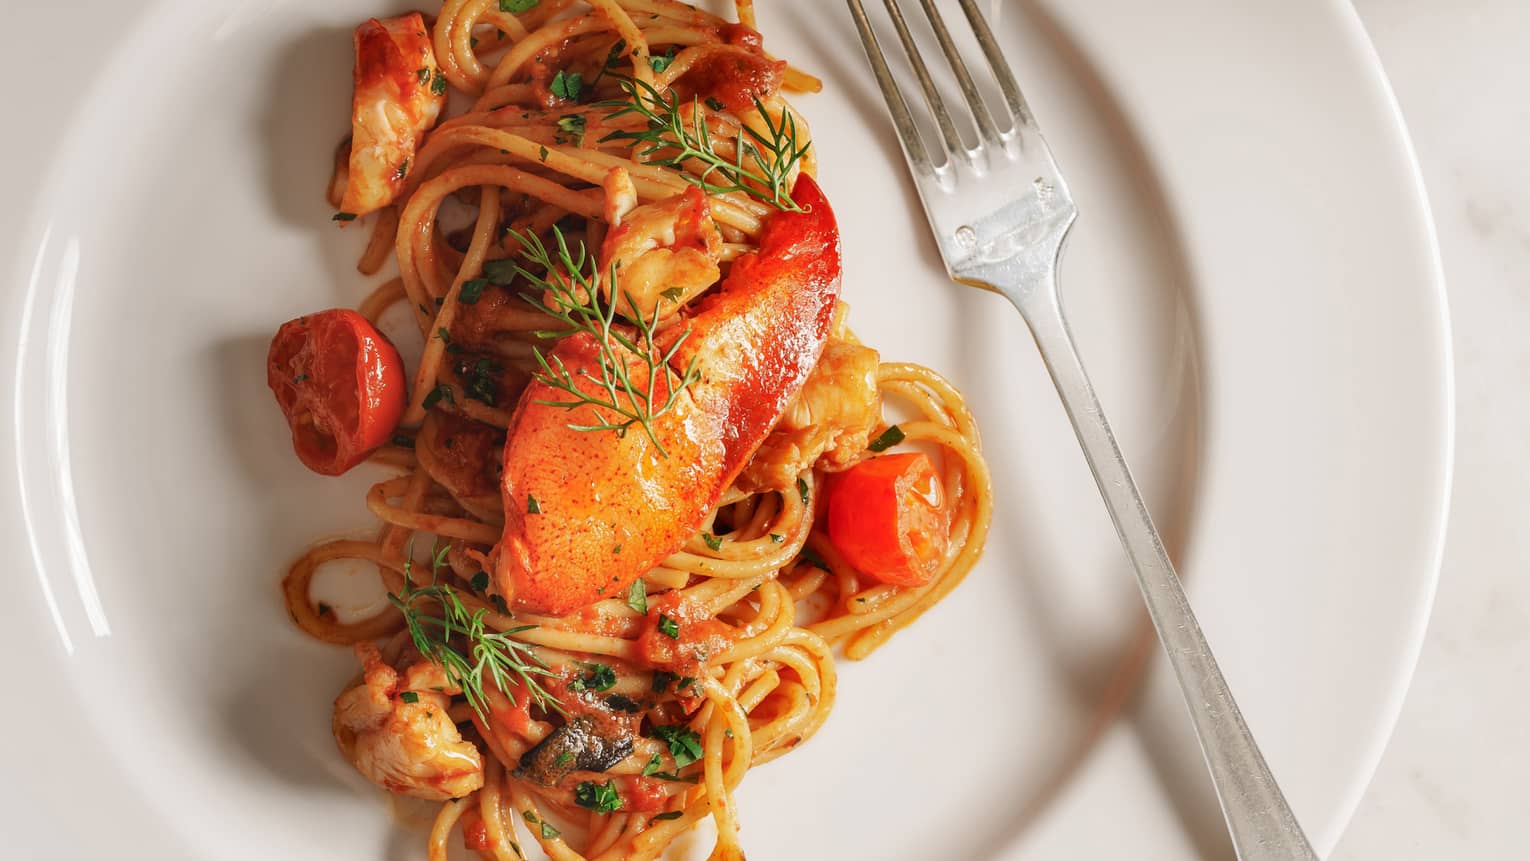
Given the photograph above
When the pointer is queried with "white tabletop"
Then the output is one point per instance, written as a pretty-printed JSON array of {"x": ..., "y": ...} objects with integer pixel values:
[{"x": 1452, "y": 783}]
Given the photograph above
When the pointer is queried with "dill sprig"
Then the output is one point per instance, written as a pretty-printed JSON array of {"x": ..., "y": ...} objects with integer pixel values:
[
  {"x": 489, "y": 653},
  {"x": 762, "y": 161},
  {"x": 619, "y": 402}
]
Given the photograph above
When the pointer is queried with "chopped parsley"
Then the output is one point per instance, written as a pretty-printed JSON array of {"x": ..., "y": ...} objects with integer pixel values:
[
  {"x": 673, "y": 294},
  {"x": 573, "y": 125},
  {"x": 637, "y": 596},
  {"x": 516, "y": 6},
  {"x": 715, "y": 103},
  {"x": 564, "y": 758},
  {"x": 802, "y": 490},
  {"x": 661, "y": 63},
  {"x": 472, "y": 291},
  {"x": 422, "y": 74},
  {"x": 409, "y": 697},
  {"x": 542, "y": 154},
  {"x": 599, "y": 797},
  {"x": 777, "y": 538},
  {"x": 445, "y": 336},
  {"x": 813, "y": 558},
  {"x": 480, "y": 581},
  {"x": 548, "y": 831},
  {"x": 403, "y": 170},
  {"x": 566, "y": 85},
  {"x": 501, "y": 271},
  {"x": 438, "y": 394},
  {"x": 597, "y": 678},
  {"x": 712, "y": 540},
  {"x": 343, "y": 216},
  {"x": 438, "y": 83},
  {"x": 685, "y": 683},
  {"x": 655, "y": 763},
  {"x": 684, "y": 744},
  {"x": 481, "y": 379},
  {"x": 661, "y": 680},
  {"x": 889, "y": 438},
  {"x": 668, "y": 814},
  {"x": 532, "y": 507},
  {"x": 669, "y": 627}
]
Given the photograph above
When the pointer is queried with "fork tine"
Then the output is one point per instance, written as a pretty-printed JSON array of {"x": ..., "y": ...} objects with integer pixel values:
[
  {"x": 908, "y": 131},
  {"x": 980, "y": 115},
  {"x": 954, "y": 145},
  {"x": 1012, "y": 95}
]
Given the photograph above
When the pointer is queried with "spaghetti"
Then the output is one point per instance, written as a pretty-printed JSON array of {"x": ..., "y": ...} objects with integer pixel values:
[{"x": 608, "y": 731}]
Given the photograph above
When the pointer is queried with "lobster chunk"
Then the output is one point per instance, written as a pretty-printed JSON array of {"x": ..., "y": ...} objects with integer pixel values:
[{"x": 587, "y": 513}]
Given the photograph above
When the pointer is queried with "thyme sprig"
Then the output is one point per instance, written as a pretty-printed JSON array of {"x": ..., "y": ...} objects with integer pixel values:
[
  {"x": 762, "y": 161},
  {"x": 619, "y": 402},
  {"x": 492, "y": 654}
]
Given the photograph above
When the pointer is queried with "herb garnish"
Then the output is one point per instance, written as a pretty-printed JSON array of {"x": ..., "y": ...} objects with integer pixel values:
[
  {"x": 409, "y": 697},
  {"x": 601, "y": 798},
  {"x": 532, "y": 506},
  {"x": 566, "y": 85},
  {"x": 712, "y": 540},
  {"x": 802, "y": 490},
  {"x": 472, "y": 291},
  {"x": 480, "y": 582},
  {"x": 684, "y": 744},
  {"x": 343, "y": 216},
  {"x": 493, "y": 653},
  {"x": 438, "y": 83},
  {"x": 889, "y": 438},
  {"x": 669, "y": 627},
  {"x": 637, "y": 596},
  {"x": 570, "y": 291},
  {"x": 516, "y": 6},
  {"x": 661, "y": 63},
  {"x": 548, "y": 831},
  {"x": 762, "y": 163},
  {"x": 668, "y": 814},
  {"x": 573, "y": 125},
  {"x": 597, "y": 678}
]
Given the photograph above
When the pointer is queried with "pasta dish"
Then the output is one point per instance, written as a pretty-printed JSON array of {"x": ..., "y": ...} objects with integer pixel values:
[{"x": 643, "y": 481}]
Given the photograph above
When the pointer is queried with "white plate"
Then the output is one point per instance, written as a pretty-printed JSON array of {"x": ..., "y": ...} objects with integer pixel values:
[{"x": 1253, "y": 282}]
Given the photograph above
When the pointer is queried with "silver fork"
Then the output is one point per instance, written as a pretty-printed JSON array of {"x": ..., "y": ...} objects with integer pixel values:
[{"x": 1000, "y": 211}]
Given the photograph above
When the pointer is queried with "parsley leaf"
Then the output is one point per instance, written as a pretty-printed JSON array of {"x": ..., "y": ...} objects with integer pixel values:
[
  {"x": 802, "y": 490},
  {"x": 661, "y": 680},
  {"x": 566, "y": 85},
  {"x": 715, "y": 103},
  {"x": 597, "y": 678},
  {"x": 684, "y": 744},
  {"x": 343, "y": 216},
  {"x": 637, "y": 596},
  {"x": 601, "y": 798},
  {"x": 661, "y": 63},
  {"x": 573, "y": 125},
  {"x": 517, "y": 6},
  {"x": 668, "y": 814},
  {"x": 409, "y": 697},
  {"x": 777, "y": 538},
  {"x": 532, "y": 506},
  {"x": 480, "y": 581},
  {"x": 422, "y": 75},
  {"x": 472, "y": 291},
  {"x": 889, "y": 438},
  {"x": 712, "y": 540},
  {"x": 438, "y": 83},
  {"x": 669, "y": 627},
  {"x": 501, "y": 271}
]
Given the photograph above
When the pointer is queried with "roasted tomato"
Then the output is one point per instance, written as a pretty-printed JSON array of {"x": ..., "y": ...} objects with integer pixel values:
[
  {"x": 888, "y": 517},
  {"x": 341, "y": 385}
]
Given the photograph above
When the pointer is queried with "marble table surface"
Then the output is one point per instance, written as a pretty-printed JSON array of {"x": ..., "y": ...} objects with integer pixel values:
[{"x": 1453, "y": 781}]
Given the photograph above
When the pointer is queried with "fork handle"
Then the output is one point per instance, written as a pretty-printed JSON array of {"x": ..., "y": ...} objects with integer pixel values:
[{"x": 1261, "y": 823}]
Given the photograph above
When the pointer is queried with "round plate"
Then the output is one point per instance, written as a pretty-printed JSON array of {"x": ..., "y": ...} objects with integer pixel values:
[{"x": 1253, "y": 283}]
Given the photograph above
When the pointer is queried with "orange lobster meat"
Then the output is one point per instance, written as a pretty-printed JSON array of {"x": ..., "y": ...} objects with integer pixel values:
[{"x": 586, "y": 513}]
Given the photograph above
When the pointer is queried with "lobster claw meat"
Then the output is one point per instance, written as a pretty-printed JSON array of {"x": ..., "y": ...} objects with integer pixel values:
[{"x": 586, "y": 514}]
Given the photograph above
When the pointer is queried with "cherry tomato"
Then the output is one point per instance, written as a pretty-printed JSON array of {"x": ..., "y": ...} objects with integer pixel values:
[
  {"x": 888, "y": 518},
  {"x": 340, "y": 383}
]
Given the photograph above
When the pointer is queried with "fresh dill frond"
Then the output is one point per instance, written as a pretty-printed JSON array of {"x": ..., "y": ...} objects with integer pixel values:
[
  {"x": 438, "y": 621},
  {"x": 762, "y": 161},
  {"x": 566, "y": 285}
]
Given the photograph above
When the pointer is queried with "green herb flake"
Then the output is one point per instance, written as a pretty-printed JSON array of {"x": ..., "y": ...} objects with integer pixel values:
[
  {"x": 712, "y": 540},
  {"x": 811, "y": 556},
  {"x": 445, "y": 336},
  {"x": 715, "y": 103},
  {"x": 802, "y": 490},
  {"x": 480, "y": 581},
  {"x": 889, "y": 438},
  {"x": 685, "y": 683},
  {"x": 673, "y": 294},
  {"x": 669, "y": 627},
  {"x": 637, "y": 596},
  {"x": 566, "y": 85},
  {"x": 599, "y": 797},
  {"x": 667, "y": 815},
  {"x": 777, "y": 538},
  {"x": 515, "y": 7},
  {"x": 501, "y": 271},
  {"x": 409, "y": 697},
  {"x": 573, "y": 125},
  {"x": 422, "y": 75},
  {"x": 661, "y": 680},
  {"x": 659, "y": 64},
  {"x": 542, "y": 154},
  {"x": 564, "y": 758},
  {"x": 597, "y": 678},
  {"x": 728, "y": 732},
  {"x": 402, "y": 171},
  {"x": 438, "y": 394},
  {"x": 655, "y": 763},
  {"x": 438, "y": 83},
  {"x": 343, "y": 216},
  {"x": 684, "y": 744},
  {"x": 532, "y": 506},
  {"x": 472, "y": 291}
]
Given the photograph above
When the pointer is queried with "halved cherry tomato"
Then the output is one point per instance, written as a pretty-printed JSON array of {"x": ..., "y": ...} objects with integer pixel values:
[
  {"x": 340, "y": 383},
  {"x": 887, "y": 517}
]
